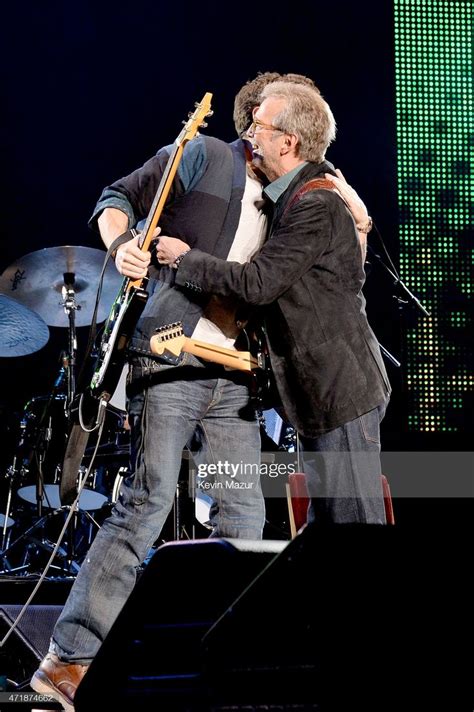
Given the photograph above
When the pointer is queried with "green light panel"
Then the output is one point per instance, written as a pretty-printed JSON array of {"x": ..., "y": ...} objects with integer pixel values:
[{"x": 435, "y": 141}]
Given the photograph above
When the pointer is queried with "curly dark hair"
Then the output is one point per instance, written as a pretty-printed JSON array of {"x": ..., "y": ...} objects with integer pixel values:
[{"x": 249, "y": 95}]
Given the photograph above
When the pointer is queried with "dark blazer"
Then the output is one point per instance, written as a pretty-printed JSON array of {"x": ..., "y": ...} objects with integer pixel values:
[{"x": 325, "y": 357}]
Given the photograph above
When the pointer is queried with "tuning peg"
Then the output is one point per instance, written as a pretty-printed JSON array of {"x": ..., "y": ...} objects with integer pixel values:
[
  {"x": 204, "y": 125},
  {"x": 210, "y": 113}
]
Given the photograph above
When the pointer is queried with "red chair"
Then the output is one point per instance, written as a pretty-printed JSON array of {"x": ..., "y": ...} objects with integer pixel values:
[
  {"x": 298, "y": 501},
  {"x": 387, "y": 500}
]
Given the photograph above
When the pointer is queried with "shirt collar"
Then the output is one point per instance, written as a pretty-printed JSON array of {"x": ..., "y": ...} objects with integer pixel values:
[{"x": 275, "y": 189}]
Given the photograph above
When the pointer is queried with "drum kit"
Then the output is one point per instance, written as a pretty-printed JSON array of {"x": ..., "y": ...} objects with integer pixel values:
[{"x": 55, "y": 287}]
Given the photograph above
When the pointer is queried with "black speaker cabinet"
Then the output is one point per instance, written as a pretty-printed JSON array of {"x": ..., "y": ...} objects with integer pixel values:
[
  {"x": 28, "y": 643},
  {"x": 152, "y": 653},
  {"x": 349, "y": 617}
]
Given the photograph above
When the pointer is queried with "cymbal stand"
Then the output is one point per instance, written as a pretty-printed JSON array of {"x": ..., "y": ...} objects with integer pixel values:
[
  {"x": 70, "y": 307},
  {"x": 44, "y": 438}
]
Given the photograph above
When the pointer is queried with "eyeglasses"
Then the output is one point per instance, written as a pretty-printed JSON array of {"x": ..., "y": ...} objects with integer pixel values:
[{"x": 257, "y": 125}]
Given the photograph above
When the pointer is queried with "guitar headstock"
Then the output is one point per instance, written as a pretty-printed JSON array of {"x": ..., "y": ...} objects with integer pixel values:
[
  {"x": 196, "y": 119},
  {"x": 169, "y": 338}
]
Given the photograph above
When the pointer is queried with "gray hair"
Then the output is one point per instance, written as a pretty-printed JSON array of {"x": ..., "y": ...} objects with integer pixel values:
[
  {"x": 248, "y": 97},
  {"x": 306, "y": 115}
]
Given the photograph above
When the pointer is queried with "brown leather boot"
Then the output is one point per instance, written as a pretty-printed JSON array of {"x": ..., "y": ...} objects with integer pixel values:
[{"x": 58, "y": 679}]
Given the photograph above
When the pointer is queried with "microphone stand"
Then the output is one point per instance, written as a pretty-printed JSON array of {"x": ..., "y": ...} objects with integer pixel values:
[
  {"x": 397, "y": 282},
  {"x": 390, "y": 357}
]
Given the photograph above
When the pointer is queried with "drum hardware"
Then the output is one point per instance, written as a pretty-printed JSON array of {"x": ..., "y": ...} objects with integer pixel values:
[
  {"x": 190, "y": 513},
  {"x": 35, "y": 541},
  {"x": 35, "y": 282},
  {"x": 5, "y": 520},
  {"x": 33, "y": 449},
  {"x": 40, "y": 441},
  {"x": 71, "y": 306}
]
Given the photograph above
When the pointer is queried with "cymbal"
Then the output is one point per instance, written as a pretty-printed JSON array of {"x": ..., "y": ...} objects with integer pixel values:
[
  {"x": 36, "y": 280},
  {"x": 22, "y": 331}
]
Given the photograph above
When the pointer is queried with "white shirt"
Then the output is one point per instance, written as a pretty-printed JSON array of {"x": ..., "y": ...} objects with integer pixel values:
[{"x": 249, "y": 237}]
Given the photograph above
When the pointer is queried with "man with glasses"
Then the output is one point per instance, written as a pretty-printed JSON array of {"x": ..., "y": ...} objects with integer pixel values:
[{"x": 309, "y": 276}]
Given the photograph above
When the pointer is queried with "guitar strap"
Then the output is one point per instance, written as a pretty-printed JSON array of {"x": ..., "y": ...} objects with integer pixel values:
[{"x": 315, "y": 184}]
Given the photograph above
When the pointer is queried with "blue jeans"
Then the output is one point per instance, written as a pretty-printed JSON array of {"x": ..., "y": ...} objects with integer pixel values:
[
  {"x": 343, "y": 472},
  {"x": 170, "y": 411}
]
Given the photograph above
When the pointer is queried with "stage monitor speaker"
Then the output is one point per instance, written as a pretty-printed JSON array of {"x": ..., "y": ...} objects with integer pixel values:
[
  {"x": 28, "y": 643},
  {"x": 152, "y": 653},
  {"x": 347, "y": 617}
]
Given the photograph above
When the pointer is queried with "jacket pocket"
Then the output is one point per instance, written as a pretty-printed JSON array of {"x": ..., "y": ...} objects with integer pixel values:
[{"x": 331, "y": 373}]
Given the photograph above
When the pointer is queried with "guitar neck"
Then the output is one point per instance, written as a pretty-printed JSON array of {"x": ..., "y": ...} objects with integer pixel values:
[
  {"x": 158, "y": 205},
  {"x": 240, "y": 360},
  {"x": 188, "y": 132}
]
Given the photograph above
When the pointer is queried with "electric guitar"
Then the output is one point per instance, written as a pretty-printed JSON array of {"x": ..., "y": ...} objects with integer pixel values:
[
  {"x": 171, "y": 339},
  {"x": 132, "y": 297}
]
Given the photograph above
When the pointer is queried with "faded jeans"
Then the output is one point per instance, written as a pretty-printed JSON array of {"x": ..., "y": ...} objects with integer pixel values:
[
  {"x": 165, "y": 415},
  {"x": 343, "y": 472}
]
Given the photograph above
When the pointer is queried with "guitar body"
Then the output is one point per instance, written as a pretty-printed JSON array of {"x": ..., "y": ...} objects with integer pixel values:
[
  {"x": 263, "y": 390},
  {"x": 255, "y": 361},
  {"x": 119, "y": 329}
]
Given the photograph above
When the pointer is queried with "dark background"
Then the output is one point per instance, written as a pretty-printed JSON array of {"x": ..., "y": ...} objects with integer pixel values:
[{"x": 93, "y": 89}]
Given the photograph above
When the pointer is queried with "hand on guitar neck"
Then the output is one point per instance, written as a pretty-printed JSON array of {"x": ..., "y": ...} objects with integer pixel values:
[{"x": 131, "y": 260}]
